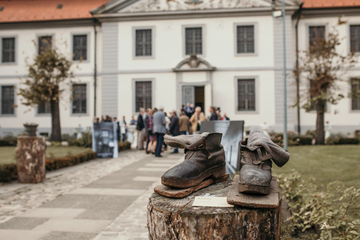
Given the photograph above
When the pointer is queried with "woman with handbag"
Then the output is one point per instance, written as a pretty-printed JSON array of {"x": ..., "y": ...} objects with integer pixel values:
[{"x": 150, "y": 127}]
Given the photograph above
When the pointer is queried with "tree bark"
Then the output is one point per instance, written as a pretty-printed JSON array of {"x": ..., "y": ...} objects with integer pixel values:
[
  {"x": 319, "y": 132},
  {"x": 55, "y": 121},
  {"x": 177, "y": 219}
]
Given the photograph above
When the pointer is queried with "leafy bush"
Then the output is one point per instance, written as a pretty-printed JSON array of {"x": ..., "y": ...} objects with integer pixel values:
[
  {"x": 85, "y": 141},
  {"x": 57, "y": 163},
  {"x": 303, "y": 140},
  {"x": 331, "y": 212},
  {"x": 56, "y": 144},
  {"x": 339, "y": 140},
  {"x": 8, "y": 172},
  {"x": 124, "y": 146}
]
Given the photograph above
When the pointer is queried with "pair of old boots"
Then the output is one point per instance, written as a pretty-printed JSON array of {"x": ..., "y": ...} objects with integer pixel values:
[{"x": 204, "y": 164}]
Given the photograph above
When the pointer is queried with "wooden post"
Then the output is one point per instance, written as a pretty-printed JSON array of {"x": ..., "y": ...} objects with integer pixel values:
[
  {"x": 30, "y": 153},
  {"x": 176, "y": 219}
]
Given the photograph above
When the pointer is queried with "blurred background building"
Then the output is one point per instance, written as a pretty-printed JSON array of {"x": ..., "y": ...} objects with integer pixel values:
[{"x": 145, "y": 53}]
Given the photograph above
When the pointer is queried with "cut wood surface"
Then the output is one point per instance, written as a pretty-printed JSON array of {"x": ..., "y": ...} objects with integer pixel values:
[
  {"x": 271, "y": 200},
  {"x": 177, "y": 219}
]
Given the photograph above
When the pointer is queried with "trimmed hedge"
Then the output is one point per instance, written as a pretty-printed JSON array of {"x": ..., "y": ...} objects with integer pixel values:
[
  {"x": 124, "y": 146},
  {"x": 348, "y": 141},
  {"x": 340, "y": 141},
  {"x": 8, "y": 143},
  {"x": 57, "y": 163},
  {"x": 303, "y": 140},
  {"x": 8, "y": 172}
]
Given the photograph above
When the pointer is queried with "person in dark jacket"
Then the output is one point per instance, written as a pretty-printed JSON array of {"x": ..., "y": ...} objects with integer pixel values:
[
  {"x": 140, "y": 127},
  {"x": 174, "y": 127},
  {"x": 117, "y": 124},
  {"x": 213, "y": 115}
]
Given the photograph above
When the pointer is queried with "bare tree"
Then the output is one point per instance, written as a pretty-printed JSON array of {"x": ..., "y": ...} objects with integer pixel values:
[
  {"x": 323, "y": 68},
  {"x": 48, "y": 77}
]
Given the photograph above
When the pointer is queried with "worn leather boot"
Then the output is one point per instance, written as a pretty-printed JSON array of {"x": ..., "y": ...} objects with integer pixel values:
[
  {"x": 256, "y": 154},
  {"x": 204, "y": 158}
]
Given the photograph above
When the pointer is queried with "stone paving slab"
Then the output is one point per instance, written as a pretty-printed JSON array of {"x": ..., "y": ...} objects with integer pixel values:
[
  {"x": 146, "y": 179},
  {"x": 9, "y": 234},
  {"x": 73, "y": 225},
  {"x": 108, "y": 191},
  {"x": 68, "y": 236},
  {"x": 53, "y": 213},
  {"x": 162, "y": 170},
  {"x": 23, "y": 223}
]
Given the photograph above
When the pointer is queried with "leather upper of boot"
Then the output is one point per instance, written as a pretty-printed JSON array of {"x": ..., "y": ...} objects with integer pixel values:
[
  {"x": 256, "y": 153},
  {"x": 202, "y": 152}
]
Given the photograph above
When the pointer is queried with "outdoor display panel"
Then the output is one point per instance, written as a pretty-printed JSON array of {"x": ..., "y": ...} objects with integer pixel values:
[
  {"x": 104, "y": 139},
  {"x": 232, "y": 136}
]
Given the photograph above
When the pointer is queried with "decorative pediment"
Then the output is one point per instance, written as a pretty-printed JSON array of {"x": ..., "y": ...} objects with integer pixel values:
[
  {"x": 182, "y": 5},
  {"x": 193, "y": 63}
]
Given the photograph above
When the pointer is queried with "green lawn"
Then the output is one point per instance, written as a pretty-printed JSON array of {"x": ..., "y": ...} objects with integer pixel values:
[
  {"x": 325, "y": 163},
  {"x": 7, "y": 154}
]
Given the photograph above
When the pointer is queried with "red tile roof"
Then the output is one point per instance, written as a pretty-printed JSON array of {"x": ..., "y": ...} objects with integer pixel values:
[
  {"x": 330, "y": 3},
  {"x": 46, "y": 10}
]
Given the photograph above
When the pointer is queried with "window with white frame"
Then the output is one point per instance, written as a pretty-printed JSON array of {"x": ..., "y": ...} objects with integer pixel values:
[
  {"x": 143, "y": 42},
  {"x": 355, "y": 89},
  {"x": 316, "y": 37},
  {"x": 79, "y": 104},
  {"x": 246, "y": 95},
  {"x": 8, "y": 50},
  {"x": 143, "y": 95},
  {"x": 80, "y": 47},
  {"x": 245, "y": 37},
  {"x": 7, "y": 100},
  {"x": 45, "y": 42},
  {"x": 193, "y": 41},
  {"x": 44, "y": 108},
  {"x": 355, "y": 38}
]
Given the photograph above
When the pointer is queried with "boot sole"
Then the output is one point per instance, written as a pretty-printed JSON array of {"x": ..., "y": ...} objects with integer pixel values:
[
  {"x": 216, "y": 172},
  {"x": 253, "y": 189}
]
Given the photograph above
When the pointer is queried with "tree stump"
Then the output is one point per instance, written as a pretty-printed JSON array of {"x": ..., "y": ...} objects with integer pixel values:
[
  {"x": 176, "y": 219},
  {"x": 30, "y": 153}
]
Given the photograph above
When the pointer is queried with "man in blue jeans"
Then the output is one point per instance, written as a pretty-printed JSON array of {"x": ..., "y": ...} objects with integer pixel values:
[{"x": 159, "y": 129}]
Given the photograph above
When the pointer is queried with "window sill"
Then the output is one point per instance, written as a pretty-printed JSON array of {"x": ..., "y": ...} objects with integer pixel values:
[
  {"x": 43, "y": 115},
  {"x": 143, "y": 57},
  {"x": 247, "y": 112},
  {"x": 246, "y": 54},
  {"x": 83, "y": 61},
  {"x": 7, "y": 115},
  {"x": 355, "y": 111},
  {"x": 8, "y": 64},
  {"x": 79, "y": 114}
]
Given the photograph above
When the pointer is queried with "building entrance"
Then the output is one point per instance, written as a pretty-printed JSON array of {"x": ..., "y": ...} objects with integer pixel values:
[{"x": 194, "y": 95}]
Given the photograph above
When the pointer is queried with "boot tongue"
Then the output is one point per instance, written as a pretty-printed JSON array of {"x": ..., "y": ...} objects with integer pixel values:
[
  {"x": 192, "y": 142},
  {"x": 201, "y": 148}
]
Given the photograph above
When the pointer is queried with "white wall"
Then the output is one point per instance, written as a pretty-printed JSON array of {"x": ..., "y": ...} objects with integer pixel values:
[
  {"x": 218, "y": 37},
  {"x": 15, "y": 73}
]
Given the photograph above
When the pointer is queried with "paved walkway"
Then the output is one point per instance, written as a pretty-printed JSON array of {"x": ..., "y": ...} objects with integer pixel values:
[{"x": 103, "y": 199}]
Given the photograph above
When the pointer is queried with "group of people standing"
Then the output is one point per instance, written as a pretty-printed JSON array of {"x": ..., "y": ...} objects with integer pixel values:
[{"x": 153, "y": 125}]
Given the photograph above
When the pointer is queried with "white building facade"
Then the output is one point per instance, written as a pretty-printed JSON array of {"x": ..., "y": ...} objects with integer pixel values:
[{"x": 152, "y": 53}]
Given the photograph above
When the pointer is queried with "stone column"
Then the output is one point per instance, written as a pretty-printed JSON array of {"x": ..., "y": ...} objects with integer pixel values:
[{"x": 30, "y": 153}]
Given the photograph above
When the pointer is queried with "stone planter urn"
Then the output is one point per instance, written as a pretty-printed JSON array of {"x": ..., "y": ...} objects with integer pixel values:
[
  {"x": 30, "y": 153},
  {"x": 30, "y": 129}
]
